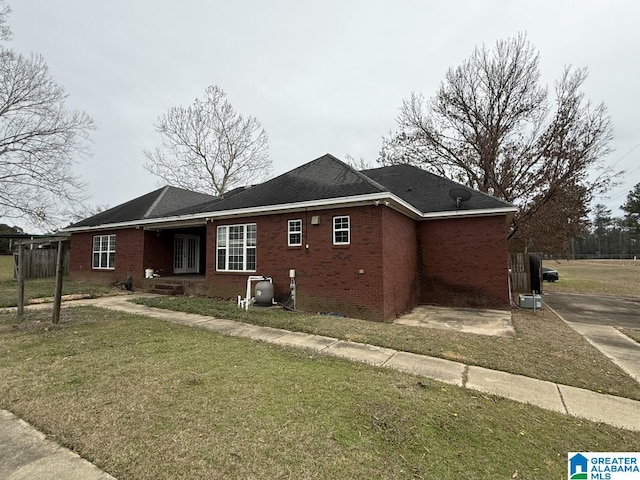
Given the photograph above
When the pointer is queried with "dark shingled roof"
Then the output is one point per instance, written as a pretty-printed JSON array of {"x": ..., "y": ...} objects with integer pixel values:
[
  {"x": 327, "y": 177},
  {"x": 159, "y": 203},
  {"x": 428, "y": 192},
  {"x": 324, "y": 178}
]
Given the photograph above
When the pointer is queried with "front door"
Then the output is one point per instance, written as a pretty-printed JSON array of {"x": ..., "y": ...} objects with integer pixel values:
[{"x": 186, "y": 254}]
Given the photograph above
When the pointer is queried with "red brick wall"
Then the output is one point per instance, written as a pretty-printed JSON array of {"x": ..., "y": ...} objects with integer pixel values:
[
  {"x": 128, "y": 259},
  {"x": 328, "y": 277},
  {"x": 464, "y": 262},
  {"x": 158, "y": 251},
  {"x": 80, "y": 257},
  {"x": 392, "y": 263},
  {"x": 399, "y": 234}
]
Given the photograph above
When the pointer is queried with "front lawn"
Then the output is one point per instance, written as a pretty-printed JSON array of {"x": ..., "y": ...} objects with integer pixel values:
[
  {"x": 148, "y": 399},
  {"x": 544, "y": 346}
]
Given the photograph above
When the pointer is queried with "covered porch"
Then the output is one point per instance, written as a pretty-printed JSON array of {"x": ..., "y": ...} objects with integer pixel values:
[{"x": 175, "y": 252}]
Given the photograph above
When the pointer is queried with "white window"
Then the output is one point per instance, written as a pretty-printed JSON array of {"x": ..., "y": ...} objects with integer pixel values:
[
  {"x": 341, "y": 234},
  {"x": 104, "y": 252},
  {"x": 295, "y": 233},
  {"x": 236, "y": 248}
]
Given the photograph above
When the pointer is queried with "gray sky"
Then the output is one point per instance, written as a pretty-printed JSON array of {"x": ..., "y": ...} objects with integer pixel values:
[{"x": 322, "y": 77}]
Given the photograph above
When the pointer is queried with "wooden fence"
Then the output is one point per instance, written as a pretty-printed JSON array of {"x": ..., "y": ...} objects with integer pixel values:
[
  {"x": 520, "y": 266},
  {"x": 41, "y": 262}
]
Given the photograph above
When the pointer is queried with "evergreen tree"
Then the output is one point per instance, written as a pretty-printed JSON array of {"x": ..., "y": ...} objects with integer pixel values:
[{"x": 632, "y": 209}]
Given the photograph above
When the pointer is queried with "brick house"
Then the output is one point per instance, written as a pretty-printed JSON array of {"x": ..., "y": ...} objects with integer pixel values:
[{"x": 369, "y": 244}]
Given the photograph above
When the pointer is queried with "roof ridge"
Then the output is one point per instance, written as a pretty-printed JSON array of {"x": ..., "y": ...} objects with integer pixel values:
[
  {"x": 156, "y": 202},
  {"x": 359, "y": 173}
]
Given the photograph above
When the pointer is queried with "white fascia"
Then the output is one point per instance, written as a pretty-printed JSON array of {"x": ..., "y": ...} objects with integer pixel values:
[
  {"x": 385, "y": 198},
  {"x": 201, "y": 218},
  {"x": 469, "y": 213}
]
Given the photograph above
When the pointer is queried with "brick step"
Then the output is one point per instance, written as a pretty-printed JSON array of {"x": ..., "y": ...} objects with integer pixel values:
[{"x": 168, "y": 289}]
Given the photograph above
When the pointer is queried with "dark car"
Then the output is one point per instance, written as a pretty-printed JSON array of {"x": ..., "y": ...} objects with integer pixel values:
[{"x": 549, "y": 274}]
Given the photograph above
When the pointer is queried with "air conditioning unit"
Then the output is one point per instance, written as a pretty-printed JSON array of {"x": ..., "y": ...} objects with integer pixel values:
[{"x": 527, "y": 301}]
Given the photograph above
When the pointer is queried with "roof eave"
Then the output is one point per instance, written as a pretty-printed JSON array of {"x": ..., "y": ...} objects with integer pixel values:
[
  {"x": 182, "y": 220},
  {"x": 379, "y": 198},
  {"x": 509, "y": 211},
  {"x": 200, "y": 218}
]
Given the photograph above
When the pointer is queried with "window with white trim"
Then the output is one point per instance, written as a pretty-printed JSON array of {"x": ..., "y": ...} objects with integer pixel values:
[
  {"x": 341, "y": 230},
  {"x": 295, "y": 233},
  {"x": 236, "y": 248},
  {"x": 104, "y": 252}
]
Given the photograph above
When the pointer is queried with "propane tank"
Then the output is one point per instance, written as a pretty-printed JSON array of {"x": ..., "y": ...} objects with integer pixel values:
[{"x": 264, "y": 293}]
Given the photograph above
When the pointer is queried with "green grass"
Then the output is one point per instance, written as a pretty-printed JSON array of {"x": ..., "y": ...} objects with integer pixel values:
[
  {"x": 147, "y": 399},
  {"x": 595, "y": 277},
  {"x": 544, "y": 346},
  {"x": 40, "y": 288},
  {"x": 6, "y": 267},
  {"x": 37, "y": 288}
]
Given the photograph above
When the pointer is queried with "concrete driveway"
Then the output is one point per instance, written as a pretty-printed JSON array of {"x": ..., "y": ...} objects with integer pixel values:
[
  {"x": 596, "y": 310},
  {"x": 597, "y": 319}
]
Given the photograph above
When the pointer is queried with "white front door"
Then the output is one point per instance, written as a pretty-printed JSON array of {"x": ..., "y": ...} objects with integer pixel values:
[{"x": 186, "y": 254}]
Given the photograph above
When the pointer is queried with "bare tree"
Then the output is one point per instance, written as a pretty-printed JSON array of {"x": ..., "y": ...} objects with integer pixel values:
[
  {"x": 39, "y": 139},
  {"x": 359, "y": 164},
  {"x": 5, "y": 31},
  {"x": 209, "y": 147},
  {"x": 492, "y": 127},
  {"x": 87, "y": 210}
]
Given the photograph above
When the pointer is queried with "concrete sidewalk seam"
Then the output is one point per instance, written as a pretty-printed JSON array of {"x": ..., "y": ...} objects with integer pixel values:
[
  {"x": 322, "y": 350},
  {"x": 562, "y": 399},
  {"x": 390, "y": 357}
]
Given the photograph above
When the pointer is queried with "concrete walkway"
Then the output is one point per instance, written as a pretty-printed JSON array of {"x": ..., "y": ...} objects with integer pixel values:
[
  {"x": 597, "y": 323},
  {"x": 622, "y": 350},
  {"x": 26, "y": 453},
  {"x": 617, "y": 411}
]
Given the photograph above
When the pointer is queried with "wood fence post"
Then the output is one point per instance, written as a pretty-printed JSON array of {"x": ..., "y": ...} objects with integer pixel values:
[
  {"x": 20, "y": 278},
  {"x": 57, "y": 298}
]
